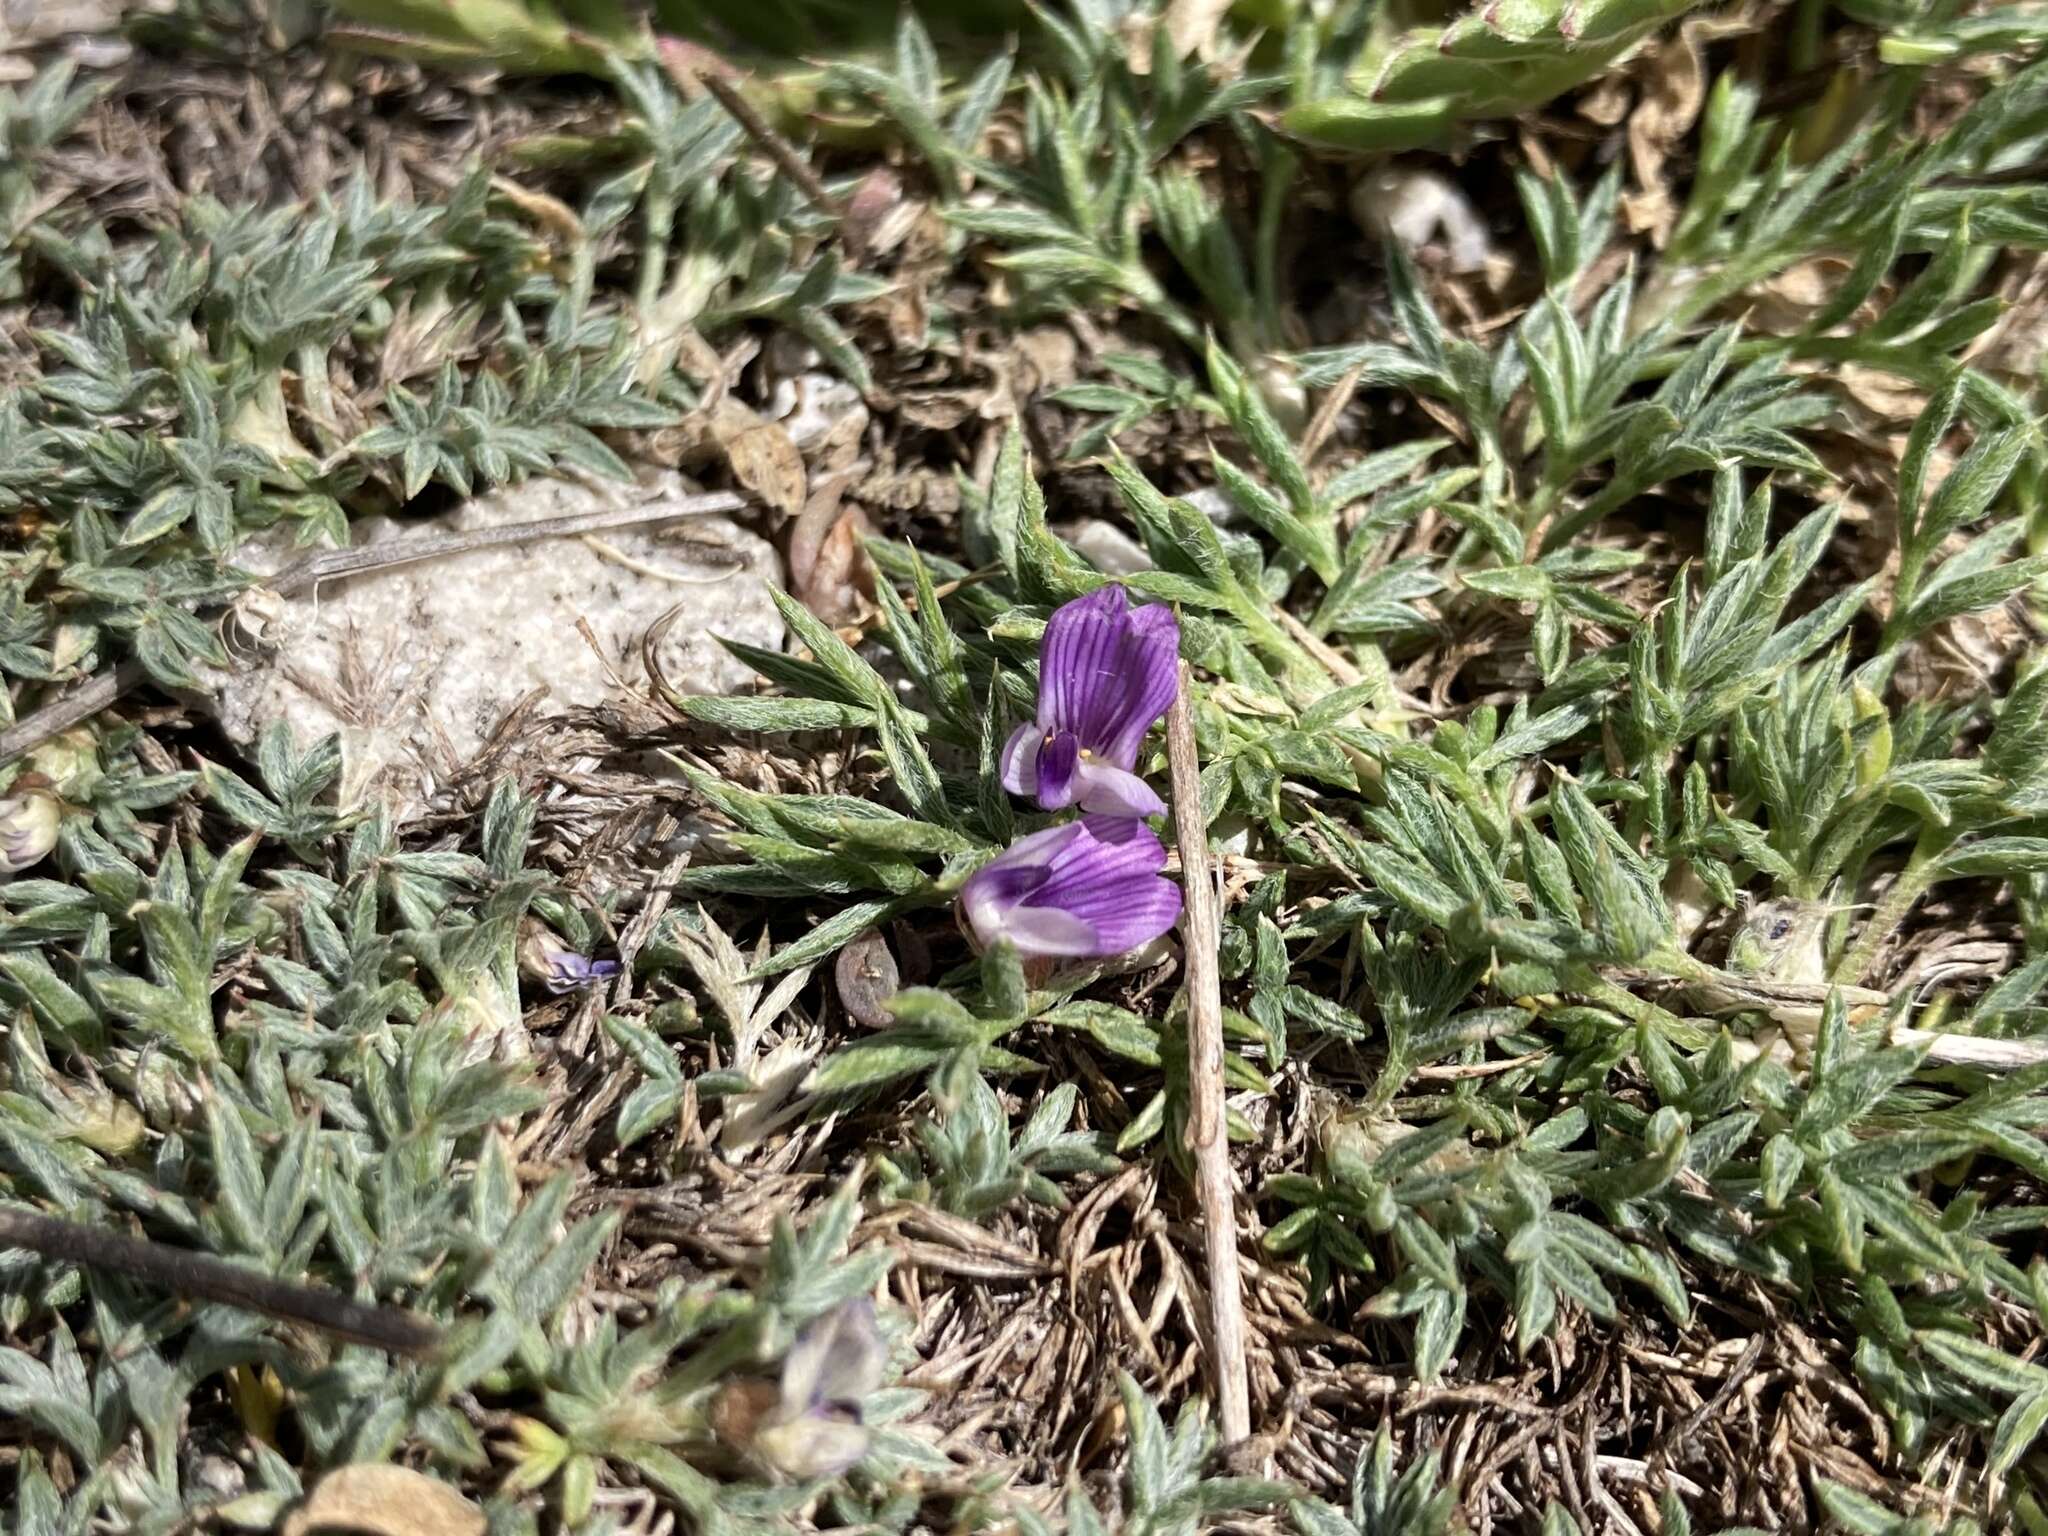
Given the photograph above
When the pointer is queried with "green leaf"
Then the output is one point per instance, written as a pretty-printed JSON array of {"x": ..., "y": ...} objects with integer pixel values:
[
  {"x": 828, "y": 937},
  {"x": 238, "y": 1177},
  {"x": 768, "y": 714},
  {"x": 2019, "y": 1430}
]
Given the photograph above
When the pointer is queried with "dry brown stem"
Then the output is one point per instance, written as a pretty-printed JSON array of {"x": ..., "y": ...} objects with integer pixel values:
[{"x": 1207, "y": 1138}]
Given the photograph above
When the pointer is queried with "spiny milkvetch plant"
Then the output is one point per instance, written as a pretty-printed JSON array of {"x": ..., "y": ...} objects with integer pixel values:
[
  {"x": 245, "y": 370},
  {"x": 1491, "y": 890},
  {"x": 1596, "y": 787},
  {"x": 344, "y": 1120}
]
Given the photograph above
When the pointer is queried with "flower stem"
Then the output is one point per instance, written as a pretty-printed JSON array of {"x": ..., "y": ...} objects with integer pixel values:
[{"x": 1920, "y": 872}]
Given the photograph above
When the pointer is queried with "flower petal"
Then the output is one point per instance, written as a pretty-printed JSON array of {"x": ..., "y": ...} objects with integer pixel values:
[
  {"x": 1088, "y": 888},
  {"x": 1059, "y": 762},
  {"x": 1077, "y": 663},
  {"x": 570, "y": 971},
  {"x": 1106, "y": 790},
  {"x": 812, "y": 1446},
  {"x": 1148, "y": 909},
  {"x": 1011, "y": 877},
  {"x": 992, "y": 893},
  {"x": 1110, "y": 880},
  {"x": 1148, "y": 676},
  {"x": 838, "y": 1358},
  {"x": 1049, "y": 931},
  {"x": 1037, "y": 852},
  {"x": 1019, "y": 762}
]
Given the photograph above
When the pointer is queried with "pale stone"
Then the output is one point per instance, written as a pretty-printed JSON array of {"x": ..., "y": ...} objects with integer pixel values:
[
  {"x": 417, "y": 665},
  {"x": 1106, "y": 547}
]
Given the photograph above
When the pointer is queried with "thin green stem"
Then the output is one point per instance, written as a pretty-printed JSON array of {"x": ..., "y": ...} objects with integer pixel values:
[
  {"x": 1921, "y": 871},
  {"x": 657, "y": 227}
]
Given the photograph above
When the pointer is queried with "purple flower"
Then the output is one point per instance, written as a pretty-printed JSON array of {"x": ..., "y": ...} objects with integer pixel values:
[
  {"x": 546, "y": 959},
  {"x": 571, "y": 972},
  {"x": 815, "y": 1429},
  {"x": 1080, "y": 891},
  {"x": 1105, "y": 674}
]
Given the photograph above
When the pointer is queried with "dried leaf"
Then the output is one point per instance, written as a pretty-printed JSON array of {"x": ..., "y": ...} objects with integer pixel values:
[
  {"x": 878, "y": 217},
  {"x": 1191, "y": 24},
  {"x": 1043, "y": 359},
  {"x": 836, "y": 573},
  {"x": 384, "y": 1501},
  {"x": 763, "y": 458},
  {"x": 1607, "y": 103},
  {"x": 1672, "y": 89},
  {"x": 938, "y": 410},
  {"x": 1885, "y": 395},
  {"x": 1787, "y": 303}
]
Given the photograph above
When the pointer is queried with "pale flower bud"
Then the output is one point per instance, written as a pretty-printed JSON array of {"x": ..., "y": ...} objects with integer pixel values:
[
  {"x": 30, "y": 814},
  {"x": 809, "y": 1425},
  {"x": 71, "y": 762}
]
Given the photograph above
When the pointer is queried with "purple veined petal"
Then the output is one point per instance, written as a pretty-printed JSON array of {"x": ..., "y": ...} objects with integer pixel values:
[
  {"x": 1077, "y": 662},
  {"x": 545, "y": 957},
  {"x": 1105, "y": 790},
  {"x": 1018, "y": 766},
  {"x": 997, "y": 902},
  {"x": 1110, "y": 879},
  {"x": 573, "y": 971},
  {"x": 1149, "y": 908},
  {"x": 1010, "y": 877},
  {"x": 1059, "y": 764},
  {"x": 1085, "y": 889},
  {"x": 1148, "y": 671},
  {"x": 1034, "y": 854}
]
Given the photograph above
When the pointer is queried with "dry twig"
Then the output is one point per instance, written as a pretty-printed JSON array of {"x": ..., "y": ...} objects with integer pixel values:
[
  {"x": 206, "y": 1278},
  {"x": 1200, "y": 931},
  {"x": 695, "y": 68}
]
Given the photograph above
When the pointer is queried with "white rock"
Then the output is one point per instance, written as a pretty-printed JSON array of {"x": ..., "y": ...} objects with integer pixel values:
[
  {"x": 417, "y": 665},
  {"x": 1214, "y": 503},
  {"x": 1107, "y": 547}
]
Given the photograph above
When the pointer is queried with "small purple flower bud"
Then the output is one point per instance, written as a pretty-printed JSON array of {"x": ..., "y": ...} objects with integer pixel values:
[
  {"x": 1080, "y": 891},
  {"x": 545, "y": 958},
  {"x": 1106, "y": 672}
]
